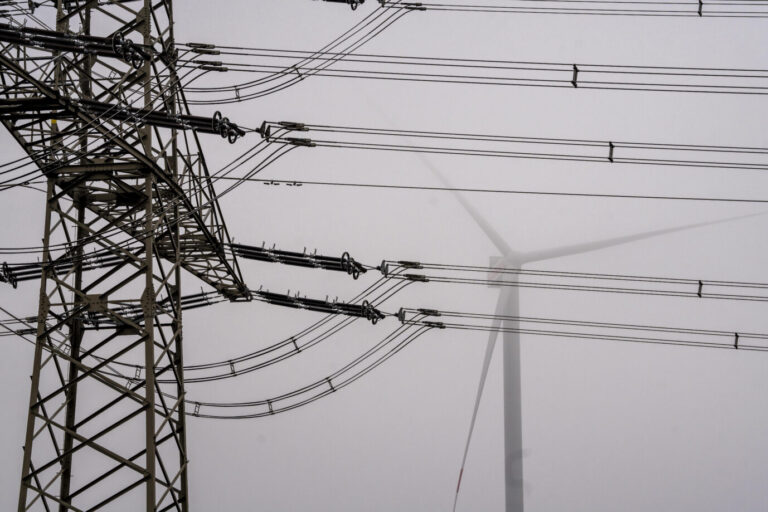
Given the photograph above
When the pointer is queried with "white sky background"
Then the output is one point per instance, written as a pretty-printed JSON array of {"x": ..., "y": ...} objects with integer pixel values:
[{"x": 607, "y": 426}]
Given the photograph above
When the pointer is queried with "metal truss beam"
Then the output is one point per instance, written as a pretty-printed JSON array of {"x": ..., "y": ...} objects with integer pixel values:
[
  {"x": 112, "y": 132},
  {"x": 129, "y": 205}
]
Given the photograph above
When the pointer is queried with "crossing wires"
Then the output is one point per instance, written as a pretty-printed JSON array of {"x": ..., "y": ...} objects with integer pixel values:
[{"x": 637, "y": 8}]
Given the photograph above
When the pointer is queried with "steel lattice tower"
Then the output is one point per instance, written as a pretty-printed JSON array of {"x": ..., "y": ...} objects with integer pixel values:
[{"x": 97, "y": 104}]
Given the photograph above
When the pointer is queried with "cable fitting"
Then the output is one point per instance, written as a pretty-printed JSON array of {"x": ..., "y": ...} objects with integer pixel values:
[
  {"x": 129, "y": 51},
  {"x": 265, "y": 130},
  {"x": 351, "y": 267},
  {"x": 206, "y": 67},
  {"x": 7, "y": 276},
  {"x": 224, "y": 127},
  {"x": 371, "y": 313},
  {"x": 169, "y": 54},
  {"x": 352, "y": 3},
  {"x": 207, "y": 52},
  {"x": 295, "y": 127},
  {"x": 214, "y": 63},
  {"x": 296, "y": 141}
]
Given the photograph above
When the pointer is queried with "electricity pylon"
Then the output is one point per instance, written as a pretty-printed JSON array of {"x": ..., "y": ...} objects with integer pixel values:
[{"x": 98, "y": 106}]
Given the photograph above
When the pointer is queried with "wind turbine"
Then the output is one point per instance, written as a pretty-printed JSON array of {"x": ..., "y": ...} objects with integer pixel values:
[{"x": 509, "y": 305}]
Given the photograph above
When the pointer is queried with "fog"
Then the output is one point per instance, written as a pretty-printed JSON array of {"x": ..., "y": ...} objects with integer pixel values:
[{"x": 606, "y": 425}]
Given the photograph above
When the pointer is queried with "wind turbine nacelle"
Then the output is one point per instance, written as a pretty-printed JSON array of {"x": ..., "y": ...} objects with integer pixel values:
[{"x": 494, "y": 276}]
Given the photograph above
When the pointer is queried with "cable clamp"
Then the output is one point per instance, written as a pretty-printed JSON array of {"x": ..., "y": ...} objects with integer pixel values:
[
  {"x": 208, "y": 67},
  {"x": 350, "y": 266},
  {"x": 701, "y": 285},
  {"x": 311, "y": 258},
  {"x": 346, "y": 262},
  {"x": 265, "y": 131},
  {"x": 204, "y": 51},
  {"x": 352, "y": 3},
  {"x": 169, "y": 54},
  {"x": 296, "y": 141},
  {"x": 610, "y": 151},
  {"x": 292, "y": 126},
  {"x": 7, "y": 275},
  {"x": 93, "y": 318},
  {"x": 371, "y": 313},
  {"x": 129, "y": 51},
  {"x": 575, "y": 76},
  {"x": 736, "y": 341},
  {"x": 225, "y": 128}
]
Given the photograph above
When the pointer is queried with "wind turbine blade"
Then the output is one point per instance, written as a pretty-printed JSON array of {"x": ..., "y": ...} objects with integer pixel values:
[
  {"x": 569, "y": 250},
  {"x": 491, "y": 233},
  {"x": 492, "y": 336}
]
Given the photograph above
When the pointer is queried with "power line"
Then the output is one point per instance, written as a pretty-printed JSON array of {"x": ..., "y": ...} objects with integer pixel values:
[
  {"x": 709, "y": 8},
  {"x": 536, "y": 148},
  {"x": 596, "y": 283},
  {"x": 394, "y": 343},
  {"x": 351, "y": 40},
  {"x": 300, "y": 183},
  {"x": 246, "y": 363},
  {"x": 701, "y": 338},
  {"x": 477, "y": 72},
  {"x": 494, "y": 276},
  {"x": 349, "y": 373}
]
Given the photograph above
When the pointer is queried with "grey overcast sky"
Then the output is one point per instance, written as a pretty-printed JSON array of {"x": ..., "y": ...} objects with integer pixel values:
[{"x": 607, "y": 426}]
